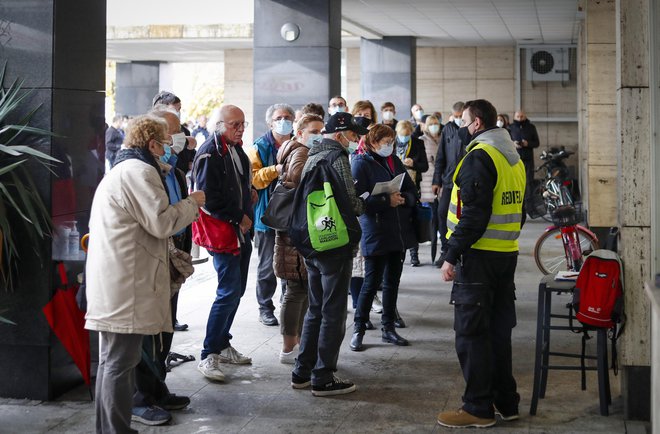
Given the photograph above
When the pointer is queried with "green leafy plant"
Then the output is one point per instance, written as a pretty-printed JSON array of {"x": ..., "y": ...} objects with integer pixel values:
[{"x": 20, "y": 203}]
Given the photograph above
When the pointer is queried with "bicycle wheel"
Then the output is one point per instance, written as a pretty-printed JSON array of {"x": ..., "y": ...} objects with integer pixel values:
[
  {"x": 537, "y": 205},
  {"x": 549, "y": 252}
]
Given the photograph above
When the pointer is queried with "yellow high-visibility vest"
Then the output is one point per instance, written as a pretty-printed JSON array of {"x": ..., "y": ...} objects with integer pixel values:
[{"x": 503, "y": 228}]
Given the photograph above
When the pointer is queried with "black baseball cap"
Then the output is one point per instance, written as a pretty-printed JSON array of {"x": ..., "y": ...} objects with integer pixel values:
[{"x": 343, "y": 121}]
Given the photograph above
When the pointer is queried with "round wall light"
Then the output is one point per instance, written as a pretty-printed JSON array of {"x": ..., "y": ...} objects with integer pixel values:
[{"x": 290, "y": 32}]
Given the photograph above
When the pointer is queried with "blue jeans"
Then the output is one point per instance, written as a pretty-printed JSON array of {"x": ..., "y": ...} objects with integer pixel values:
[
  {"x": 232, "y": 280},
  {"x": 385, "y": 269},
  {"x": 325, "y": 321}
]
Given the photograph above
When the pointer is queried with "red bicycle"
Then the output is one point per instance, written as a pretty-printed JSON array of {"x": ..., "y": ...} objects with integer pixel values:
[{"x": 563, "y": 246}]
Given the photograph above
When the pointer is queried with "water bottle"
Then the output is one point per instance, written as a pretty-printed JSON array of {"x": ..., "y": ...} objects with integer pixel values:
[{"x": 74, "y": 240}]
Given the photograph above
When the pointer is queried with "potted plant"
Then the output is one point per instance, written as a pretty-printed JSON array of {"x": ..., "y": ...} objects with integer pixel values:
[{"x": 20, "y": 203}]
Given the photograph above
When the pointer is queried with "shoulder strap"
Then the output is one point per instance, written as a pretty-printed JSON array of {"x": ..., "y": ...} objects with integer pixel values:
[{"x": 333, "y": 155}]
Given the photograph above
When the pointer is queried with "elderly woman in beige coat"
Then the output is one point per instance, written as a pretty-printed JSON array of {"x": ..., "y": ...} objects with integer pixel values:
[{"x": 127, "y": 272}]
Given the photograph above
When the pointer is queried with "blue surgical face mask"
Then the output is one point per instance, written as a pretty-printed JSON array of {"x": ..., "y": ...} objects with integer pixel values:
[
  {"x": 352, "y": 147},
  {"x": 385, "y": 151},
  {"x": 168, "y": 153},
  {"x": 419, "y": 114},
  {"x": 403, "y": 139},
  {"x": 313, "y": 139},
  {"x": 283, "y": 127},
  {"x": 434, "y": 129},
  {"x": 458, "y": 122}
]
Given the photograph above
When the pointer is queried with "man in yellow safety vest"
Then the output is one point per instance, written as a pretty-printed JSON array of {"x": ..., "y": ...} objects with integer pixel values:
[{"x": 484, "y": 221}]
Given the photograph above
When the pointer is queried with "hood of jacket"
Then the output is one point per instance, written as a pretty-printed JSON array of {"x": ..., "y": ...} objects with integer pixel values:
[
  {"x": 287, "y": 149},
  {"x": 326, "y": 145},
  {"x": 498, "y": 138}
]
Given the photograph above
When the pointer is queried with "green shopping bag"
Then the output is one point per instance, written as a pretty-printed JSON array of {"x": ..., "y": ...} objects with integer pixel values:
[{"x": 327, "y": 230}]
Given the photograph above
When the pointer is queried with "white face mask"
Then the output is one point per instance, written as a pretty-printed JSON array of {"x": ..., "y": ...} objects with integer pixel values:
[
  {"x": 386, "y": 150},
  {"x": 499, "y": 124},
  {"x": 419, "y": 114},
  {"x": 434, "y": 129},
  {"x": 458, "y": 122},
  {"x": 178, "y": 142},
  {"x": 336, "y": 109},
  {"x": 388, "y": 116}
]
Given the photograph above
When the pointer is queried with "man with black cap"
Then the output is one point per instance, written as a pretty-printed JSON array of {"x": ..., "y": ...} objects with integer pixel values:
[{"x": 329, "y": 276}]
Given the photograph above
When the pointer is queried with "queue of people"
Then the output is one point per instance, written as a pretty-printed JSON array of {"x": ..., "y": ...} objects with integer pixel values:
[{"x": 145, "y": 217}]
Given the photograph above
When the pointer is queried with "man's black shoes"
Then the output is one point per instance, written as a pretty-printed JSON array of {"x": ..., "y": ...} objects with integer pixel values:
[
  {"x": 356, "y": 341},
  {"x": 180, "y": 327},
  {"x": 268, "y": 318},
  {"x": 390, "y": 335}
]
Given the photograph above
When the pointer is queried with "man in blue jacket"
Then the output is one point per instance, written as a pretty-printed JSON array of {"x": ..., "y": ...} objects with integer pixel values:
[{"x": 265, "y": 171}]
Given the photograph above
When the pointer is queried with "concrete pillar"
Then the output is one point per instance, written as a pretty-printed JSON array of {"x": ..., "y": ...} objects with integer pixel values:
[
  {"x": 634, "y": 182},
  {"x": 58, "y": 47},
  {"x": 303, "y": 70},
  {"x": 238, "y": 85},
  {"x": 136, "y": 85},
  {"x": 602, "y": 155},
  {"x": 389, "y": 70}
]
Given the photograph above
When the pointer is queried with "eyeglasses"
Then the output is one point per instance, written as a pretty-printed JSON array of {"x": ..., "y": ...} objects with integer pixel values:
[
  {"x": 163, "y": 143},
  {"x": 236, "y": 125}
]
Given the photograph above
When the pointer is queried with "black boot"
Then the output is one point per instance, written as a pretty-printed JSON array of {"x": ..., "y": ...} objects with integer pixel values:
[
  {"x": 414, "y": 257},
  {"x": 390, "y": 335},
  {"x": 369, "y": 325},
  {"x": 356, "y": 341}
]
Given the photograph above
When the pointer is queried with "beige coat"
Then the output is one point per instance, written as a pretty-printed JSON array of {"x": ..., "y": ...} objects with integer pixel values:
[
  {"x": 127, "y": 271},
  {"x": 431, "y": 146}
]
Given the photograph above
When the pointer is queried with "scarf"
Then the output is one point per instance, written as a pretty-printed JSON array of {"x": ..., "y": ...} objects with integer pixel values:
[{"x": 141, "y": 154}]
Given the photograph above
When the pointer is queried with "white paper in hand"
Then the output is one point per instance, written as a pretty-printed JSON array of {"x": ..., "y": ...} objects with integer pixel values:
[{"x": 389, "y": 187}]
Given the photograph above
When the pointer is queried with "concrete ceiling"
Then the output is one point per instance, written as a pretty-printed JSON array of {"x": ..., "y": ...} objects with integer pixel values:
[
  {"x": 469, "y": 22},
  {"x": 435, "y": 23}
]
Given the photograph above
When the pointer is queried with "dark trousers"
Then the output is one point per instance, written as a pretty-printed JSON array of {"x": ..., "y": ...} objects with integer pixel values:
[
  {"x": 484, "y": 315},
  {"x": 266, "y": 280},
  {"x": 385, "y": 269},
  {"x": 325, "y": 321},
  {"x": 443, "y": 210}
]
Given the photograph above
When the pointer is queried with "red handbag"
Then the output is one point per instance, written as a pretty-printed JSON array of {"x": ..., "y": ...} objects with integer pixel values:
[{"x": 215, "y": 235}]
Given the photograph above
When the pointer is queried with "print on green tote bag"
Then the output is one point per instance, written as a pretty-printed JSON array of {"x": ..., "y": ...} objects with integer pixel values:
[{"x": 326, "y": 227}]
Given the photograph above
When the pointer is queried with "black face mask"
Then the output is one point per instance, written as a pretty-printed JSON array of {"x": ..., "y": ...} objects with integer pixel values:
[{"x": 464, "y": 135}]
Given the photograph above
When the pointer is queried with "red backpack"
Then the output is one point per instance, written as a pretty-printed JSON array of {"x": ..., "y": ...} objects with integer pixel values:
[{"x": 598, "y": 296}]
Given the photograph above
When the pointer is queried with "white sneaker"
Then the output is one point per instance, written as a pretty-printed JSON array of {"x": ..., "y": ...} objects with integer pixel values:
[
  {"x": 230, "y": 355},
  {"x": 377, "y": 305},
  {"x": 210, "y": 368},
  {"x": 290, "y": 357}
]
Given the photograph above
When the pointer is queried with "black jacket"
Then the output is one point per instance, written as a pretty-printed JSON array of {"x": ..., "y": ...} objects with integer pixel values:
[
  {"x": 380, "y": 222},
  {"x": 525, "y": 130},
  {"x": 476, "y": 180},
  {"x": 450, "y": 151},
  {"x": 213, "y": 172}
]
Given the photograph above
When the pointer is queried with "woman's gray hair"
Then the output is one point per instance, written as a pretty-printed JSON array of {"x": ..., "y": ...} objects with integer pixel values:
[{"x": 281, "y": 106}]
